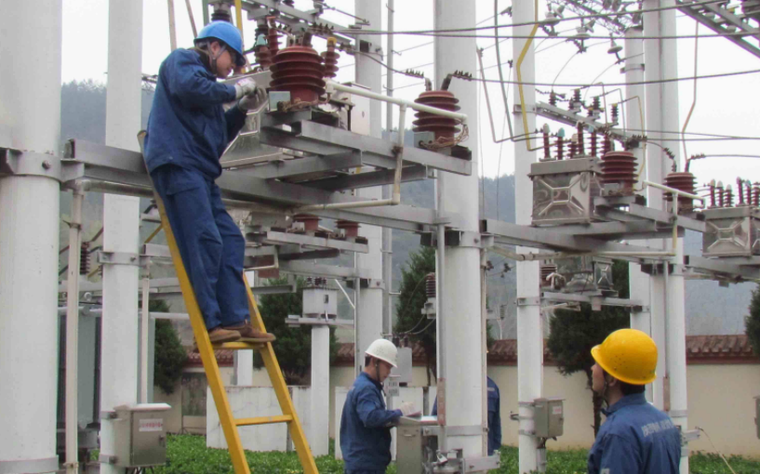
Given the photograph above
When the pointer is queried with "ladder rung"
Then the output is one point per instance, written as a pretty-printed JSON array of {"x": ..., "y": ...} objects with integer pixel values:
[
  {"x": 239, "y": 346},
  {"x": 263, "y": 420}
]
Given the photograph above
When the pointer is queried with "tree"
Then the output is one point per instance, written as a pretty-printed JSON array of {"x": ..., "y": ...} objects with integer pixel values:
[
  {"x": 752, "y": 321},
  {"x": 573, "y": 334},
  {"x": 293, "y": 344},
  {"x": 409, "y": 320},
  {"x": 170, "y": 355}
]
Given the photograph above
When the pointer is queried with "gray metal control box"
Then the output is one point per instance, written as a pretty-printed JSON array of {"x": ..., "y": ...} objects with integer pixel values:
[
  {"x": 140, "y": 435},
  {"x": 413, "y": 446},
  {"x": 320, "y": 302},
  {"x": 548, "y": 417},
  {"x": 731, "y": 232},
  {"x": 564, "y": 191}
]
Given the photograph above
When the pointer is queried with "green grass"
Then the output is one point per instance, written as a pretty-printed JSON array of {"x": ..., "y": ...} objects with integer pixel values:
[{"x": 188, "y": 454}]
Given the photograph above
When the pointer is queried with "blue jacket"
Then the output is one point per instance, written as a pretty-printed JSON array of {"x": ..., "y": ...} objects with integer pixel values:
[
  {"x": 637, "y": 438},
  {"x": 365, "y": 427},
  {"x": 188, "y": 126},
  {"x": 494, "y": 416}
]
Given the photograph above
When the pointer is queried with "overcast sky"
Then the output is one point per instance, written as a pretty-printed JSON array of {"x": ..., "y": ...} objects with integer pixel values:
[{"x": 724, "y": 106}]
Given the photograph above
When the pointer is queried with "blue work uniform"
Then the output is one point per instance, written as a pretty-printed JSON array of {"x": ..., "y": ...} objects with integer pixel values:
[
  {"x": 637, "y": 438},
  {"x": 494, "y": 416},
  {"x": 365, "y": 428},
  {"x": 188, "y": 130}
]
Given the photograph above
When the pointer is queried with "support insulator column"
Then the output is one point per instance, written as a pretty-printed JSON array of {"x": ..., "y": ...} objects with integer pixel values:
[{"x": 320, "y": 390}]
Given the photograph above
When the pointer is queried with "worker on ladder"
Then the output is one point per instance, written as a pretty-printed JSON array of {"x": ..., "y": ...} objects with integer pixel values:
[
  {"x": 637, "y": 438},
  {"x": 188, "y": 130},
  {"x": 365, "y": 424}
]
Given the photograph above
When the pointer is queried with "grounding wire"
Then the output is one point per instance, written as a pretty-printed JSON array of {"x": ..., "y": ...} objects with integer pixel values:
[
  {"x": 530, "y": 23},
  {"x": 575, "y": 37}
]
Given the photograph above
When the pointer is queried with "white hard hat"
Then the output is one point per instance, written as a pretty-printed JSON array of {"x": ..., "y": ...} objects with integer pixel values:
[{"x": 384, "y": 350}]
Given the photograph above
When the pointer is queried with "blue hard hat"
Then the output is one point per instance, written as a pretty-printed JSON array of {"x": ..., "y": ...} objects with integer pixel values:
[{"x": 227, "y": 33}]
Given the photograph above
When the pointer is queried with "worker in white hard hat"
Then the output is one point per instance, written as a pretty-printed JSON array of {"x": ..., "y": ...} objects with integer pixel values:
[
  {"x": 636, "y": 438},
  {"x": 365, "y": 425}
]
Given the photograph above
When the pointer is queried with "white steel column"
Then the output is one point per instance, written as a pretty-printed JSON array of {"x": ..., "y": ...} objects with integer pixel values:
[
  {"x": 369, "y": 74},
  {"x": 121, "y": 221},
  {"x": 530, "y": 339},
  {"x": 655, "y": 173},
  {"x": 244, "y": 359},
  {"x": 30, "y": 111},
  {"x": 639, "y": 281},
  {"x": 675, "y": 332},
  {"x": 461, "y": 344},
  {"x": 387, "y": 190},
  {"x": 320, "y": 390}
]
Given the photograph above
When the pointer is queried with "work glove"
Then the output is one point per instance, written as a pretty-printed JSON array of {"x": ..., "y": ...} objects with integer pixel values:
[
  {"x": 244, "y": 86},
  {"x": 253, "y": 101},
  {"x": 407, "y": 409}
]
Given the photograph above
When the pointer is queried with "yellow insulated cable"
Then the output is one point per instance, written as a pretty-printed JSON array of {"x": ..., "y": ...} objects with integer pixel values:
[
  {"x": 519, "y": 81},
  {"x": 239, "y": 18}
]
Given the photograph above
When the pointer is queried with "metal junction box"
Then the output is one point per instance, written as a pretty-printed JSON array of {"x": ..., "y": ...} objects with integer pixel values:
[
  {"x": 548, "y": 417},
  {"x": 140, "y": 435},
  {"x": 413, "y": 447},
  {"x": 320, "y": 302},
  {"x": 564, "y": 191},
  {"x": 585, "y": 274},
  {"x": 731, "y": 232},
  {"x": 404, "y": 369}
]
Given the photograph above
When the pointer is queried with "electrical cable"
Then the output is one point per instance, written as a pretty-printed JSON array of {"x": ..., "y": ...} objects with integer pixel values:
[
  {"x": 409, "y": 299},
  {"x": 585, "y": 37},
  {"x": 530, "y": 23},
  {"x": 716, "y": 449},
  {"x": 694, "y": 100},
  {"x": 621, "y": 84}
]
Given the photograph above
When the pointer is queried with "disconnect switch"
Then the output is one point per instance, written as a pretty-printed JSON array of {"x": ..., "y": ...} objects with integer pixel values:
[{"x": 548, "y": 417}]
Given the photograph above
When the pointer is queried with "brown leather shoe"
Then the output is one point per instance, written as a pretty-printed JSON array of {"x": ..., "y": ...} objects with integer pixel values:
[
  {"x": 249, "y": 333},
  {"x": 220, "y": 334}
]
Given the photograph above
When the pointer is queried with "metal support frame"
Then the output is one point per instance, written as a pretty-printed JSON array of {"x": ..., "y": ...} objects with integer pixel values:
[
  {"x": 571, "y": 118},
  {"x": 724, "y": 21},
  {"x": 271, "y": 237}
]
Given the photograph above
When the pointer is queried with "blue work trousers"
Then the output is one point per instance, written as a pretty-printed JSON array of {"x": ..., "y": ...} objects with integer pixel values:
[{"x": 211, "y": 245}]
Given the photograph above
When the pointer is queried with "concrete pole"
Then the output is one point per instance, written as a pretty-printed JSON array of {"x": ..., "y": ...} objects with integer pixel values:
[
  {"x": 655, "y": 173},
  {"x": 320, "y": 390},
  {"x": 530, "y": 351},
  {"x": 675, "y": 335},
  {"x": 119, "y": 369},
  {"x": 388, "y": 232},
  {"x": 635, "y": 95},
  {"x": 368, "y": 73},
  {"x": 461, "y": 342},
  {"x": 30, "y": 111}
]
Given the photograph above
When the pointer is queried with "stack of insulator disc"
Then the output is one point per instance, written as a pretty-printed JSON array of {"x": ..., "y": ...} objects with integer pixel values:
[
  {"x": 430, "y": 285},
  {"x": 546, "y": 270},
  {"x": 273, "y": 41},
  {"x": 619, "y": 167},
  {"x": 443, "y": 127},
  {"x": 682, "y": 182},
  {"x": 298, "y": 70},
  {"x": 310, "y": 222},
  {"x": 350, "y": 228},
  {"x": 84, "y": 258},
  {"x": 263, "y": 57},
  {"x": 331, "y": 62}
]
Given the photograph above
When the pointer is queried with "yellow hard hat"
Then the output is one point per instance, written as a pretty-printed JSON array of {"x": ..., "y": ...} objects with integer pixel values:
[{"x": 629, "y": 355}]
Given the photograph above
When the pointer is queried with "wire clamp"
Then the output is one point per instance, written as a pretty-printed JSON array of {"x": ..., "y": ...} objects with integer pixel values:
[{"x": 121, "y": 258}]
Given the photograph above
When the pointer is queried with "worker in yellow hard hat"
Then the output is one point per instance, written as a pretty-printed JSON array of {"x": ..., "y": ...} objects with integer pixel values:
[{"x": 636, "y": 438}]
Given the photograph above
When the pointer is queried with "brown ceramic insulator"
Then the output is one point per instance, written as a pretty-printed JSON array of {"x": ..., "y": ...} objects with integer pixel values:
[
  {"x": 273, "y": 38},
  {"x": 729, "y": 197},
  {"x": 607, "y": 145},
  {"x": 560, "y": 147},
  {"x": 546, "y": 270},
  {"x": 430, "y": 285},
  {"x": 619, "y": 167},
  {"x": 331, "y": 59},
  {"x": 442, "y": 126},
  {"x": 740, "y": 190},
  {"x": 263, "y": 57},
  {"x": 572, "y": 147},
  {"x": 298, "y": 70},
  {"x": 310, "y": 223},
  {"x": 581, "y": 150},
  {"x": 756, "y": 194},
  {"x": 547, "y": 147},
  {"x": 683, "y": 181},
  {"x": 350, "y": 228},
  {"x": 84, "y": 258},
  {"x": 712, "y": 195},
  {"x": 593, "y": 143}
]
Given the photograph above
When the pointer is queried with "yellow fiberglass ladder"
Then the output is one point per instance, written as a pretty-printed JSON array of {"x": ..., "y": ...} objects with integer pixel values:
[{"x": 229, "y": 424}]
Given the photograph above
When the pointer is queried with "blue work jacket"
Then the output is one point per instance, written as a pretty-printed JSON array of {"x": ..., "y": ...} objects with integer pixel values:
[
  {"x": 637, "y": 438},
  {"x": 365, "y": 427},
  {"x": 494, "y": 416},
  {"x": 188, "y": 126}
]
